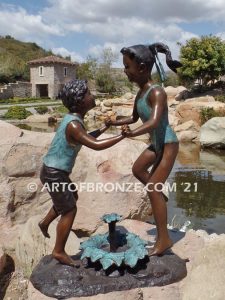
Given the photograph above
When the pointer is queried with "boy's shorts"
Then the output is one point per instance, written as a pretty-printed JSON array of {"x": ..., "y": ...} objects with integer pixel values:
[{"x": 61, "y": 189}]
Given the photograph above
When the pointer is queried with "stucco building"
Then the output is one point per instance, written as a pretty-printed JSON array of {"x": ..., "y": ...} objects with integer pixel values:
[{"x": 49, "y": 74}]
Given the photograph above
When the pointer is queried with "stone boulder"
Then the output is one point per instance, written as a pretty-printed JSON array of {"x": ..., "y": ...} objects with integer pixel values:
[
  {"x": 212, "y": 161},
  {"x": 31, "y": 245},
  {"x": 21, "y": 167},
  {"x": 122, "y": 111},
  {"x": 188, "y": 131},
  {"x": 127, "y": 99},
  {"x": 212, "y": 133},
  {"x": 36, "y": 118},
  {"x": 191, "y": 108},
  {"x": 206, "y": 277},
  {"x": 112, "y": 169},
  {"x": 2, "y": 260},
  {"x": 173, "y": 91}
]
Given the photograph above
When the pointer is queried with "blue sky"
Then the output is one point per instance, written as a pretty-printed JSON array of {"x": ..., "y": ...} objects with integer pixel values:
[{"x": 81, "y": 28}]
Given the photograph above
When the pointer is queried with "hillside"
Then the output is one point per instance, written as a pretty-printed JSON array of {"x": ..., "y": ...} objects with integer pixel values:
[{"x": 14, "y": 55}]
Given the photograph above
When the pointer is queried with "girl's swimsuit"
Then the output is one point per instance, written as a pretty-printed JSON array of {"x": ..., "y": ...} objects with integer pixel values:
[{"x": 161, "y": 135}]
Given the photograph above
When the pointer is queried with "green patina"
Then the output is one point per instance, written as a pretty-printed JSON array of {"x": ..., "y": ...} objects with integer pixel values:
[{"x": 93, "y": 247}]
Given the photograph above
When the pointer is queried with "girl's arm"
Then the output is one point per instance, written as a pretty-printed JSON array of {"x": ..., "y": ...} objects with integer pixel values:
[
  {"x": 157, "y": 100},
  {"x": 75, "y": 133},
  {"x": 98, "y": 132},
  {"x": 126, "y": 120}
]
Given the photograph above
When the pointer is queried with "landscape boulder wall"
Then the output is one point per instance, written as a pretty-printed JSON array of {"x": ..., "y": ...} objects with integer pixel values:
[{"x": 212, "y": 133}]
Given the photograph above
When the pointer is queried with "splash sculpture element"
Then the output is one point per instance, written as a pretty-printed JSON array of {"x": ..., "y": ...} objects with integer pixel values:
[
  {"x": 95, "y": 248},
  {"x": 114, "y": 261}
]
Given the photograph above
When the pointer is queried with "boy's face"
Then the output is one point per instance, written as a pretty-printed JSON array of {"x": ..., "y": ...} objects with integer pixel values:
[{"x": 89, "y": 100}]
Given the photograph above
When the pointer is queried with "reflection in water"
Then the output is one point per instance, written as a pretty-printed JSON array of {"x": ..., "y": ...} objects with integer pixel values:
[
  {"x": 200, "y": 184},
  {"x": 205, "y": 208}
]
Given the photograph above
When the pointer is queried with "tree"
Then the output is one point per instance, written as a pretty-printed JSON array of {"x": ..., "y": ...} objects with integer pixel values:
[
  {"x": 87, "y": 70},
  {"x": 203, "y": 59},
  {"x": 104, "y": 77}
]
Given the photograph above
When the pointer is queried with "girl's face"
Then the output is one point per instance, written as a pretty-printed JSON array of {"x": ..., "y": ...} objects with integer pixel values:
[
  {"x": 131, "y": 69},
  {"x": 89, "y": 101}
]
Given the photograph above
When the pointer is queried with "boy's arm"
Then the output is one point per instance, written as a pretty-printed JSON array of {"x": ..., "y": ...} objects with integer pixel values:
[
  {"x": 75, "y": 133},
  {"x": 98, "y": 132}
]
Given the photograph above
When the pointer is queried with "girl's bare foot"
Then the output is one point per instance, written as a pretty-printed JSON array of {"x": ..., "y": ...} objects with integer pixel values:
[
  {"x": 65, "y": 259},
  {"x": 44, "y": 230},
  {"x": 160, "y": 247}
]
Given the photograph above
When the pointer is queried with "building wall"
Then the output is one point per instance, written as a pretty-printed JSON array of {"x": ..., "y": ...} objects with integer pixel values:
[
  {"x": 53, "y": 76},
  {"x": 47, "y": 78},
  {"x": 19, "y": 89},
  {"x": 60, "y": 79}
]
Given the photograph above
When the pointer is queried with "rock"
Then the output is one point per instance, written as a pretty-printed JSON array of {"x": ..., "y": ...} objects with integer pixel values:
[
  {"x": 49, "y": 276},
  {"x": 188, "y": 131},
  {"x": 173, "y": 91},
  {"x": 2, "y": 260},
  {"x": 189, "y": 154},
  {"x": 22, "y": 160},
  {"x": 191, "y": 108},
  {"x": 52, "y": 120},
  {"x": 122, "y": 111},
  {"x": 208, "y": 266},
  {"x": 134, "y": 294},
  {"x": 36, "y": 118},
  {"x": 188, "y": 136},
  {"x": 213, "y": 162},
  {"x": 97, "y": 102},
  {"x": 108, "y": 170},
  {"x": 189, "y": 125},
  {"x": 6, "y": 197},
  {"x": 31, "y": 245},
  {"x": 8, "y": 134},
  {"x": 105, "y": 109},
  {"x": 129, "y": 96},
  {"x": 173, "y": 120},
  {"x": 183, "y": 95},
  {"x": 212, "y": 133}
]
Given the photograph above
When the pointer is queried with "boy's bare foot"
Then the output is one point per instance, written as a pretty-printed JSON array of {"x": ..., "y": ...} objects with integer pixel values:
[
  {"x": 160, "y": 247},
  {"x": 44, "y": 230},
  {"x": 65, "y": 259}
]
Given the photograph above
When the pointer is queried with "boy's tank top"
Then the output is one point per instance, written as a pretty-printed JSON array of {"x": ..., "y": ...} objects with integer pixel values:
[
  {"x": 163, "y": 133},
  {"x": 61, "y": 155}
]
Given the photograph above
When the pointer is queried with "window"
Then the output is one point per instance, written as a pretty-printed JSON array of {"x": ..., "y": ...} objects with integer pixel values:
[
  {"x": 41, "y": 71},
  {"x": 65, "y": 71}
]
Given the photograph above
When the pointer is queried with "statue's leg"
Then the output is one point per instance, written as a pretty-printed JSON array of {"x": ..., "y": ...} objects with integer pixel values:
[
  {"x": 44, "y": 223},
  {"x": 62, "y": 233},
  {"x": 158, "y": 203}
]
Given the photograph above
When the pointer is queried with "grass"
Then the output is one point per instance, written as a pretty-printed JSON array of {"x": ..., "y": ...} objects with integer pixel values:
[{"x": 17, "y": 100}]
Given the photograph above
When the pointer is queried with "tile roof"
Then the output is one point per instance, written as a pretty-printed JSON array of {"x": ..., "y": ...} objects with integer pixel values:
[{"x": 51, "y": 60}]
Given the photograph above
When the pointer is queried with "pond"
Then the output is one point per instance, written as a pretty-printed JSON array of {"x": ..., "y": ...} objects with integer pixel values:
[{"x": 196, "y": 185}]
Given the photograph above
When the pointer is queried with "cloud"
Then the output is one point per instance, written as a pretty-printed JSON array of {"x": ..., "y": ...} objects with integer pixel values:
[
  {"x": 64, "y": 52},
  {"x": 117, "y": 23},
  {"x": 101, "y": 11},
  {"x": 17, "y": 22}
]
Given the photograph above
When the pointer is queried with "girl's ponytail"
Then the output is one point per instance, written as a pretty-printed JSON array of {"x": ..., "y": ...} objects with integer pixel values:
[{"x": 172, "y": 64}]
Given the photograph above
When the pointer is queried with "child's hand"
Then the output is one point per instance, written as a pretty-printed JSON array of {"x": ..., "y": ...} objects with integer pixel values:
[
  {"x": 108, "y": 121},
  {"x": 125, "y": 130}
]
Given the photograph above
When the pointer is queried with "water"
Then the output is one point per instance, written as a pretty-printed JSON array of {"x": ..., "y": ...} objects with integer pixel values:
[{"x": 199, "y": 178}]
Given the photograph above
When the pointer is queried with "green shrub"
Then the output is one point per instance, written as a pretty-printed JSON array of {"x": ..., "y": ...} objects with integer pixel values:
[
  {"x": 60, "y": 109},
  {"x": 105, "y": 83},
  {"x": 18, "y": 100},
  {"x": 17, "y": 112},
  {"x": 209, "y": 113},
  {"x": 220, "y": 98},
  {"x": 41, "y": 110}
]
